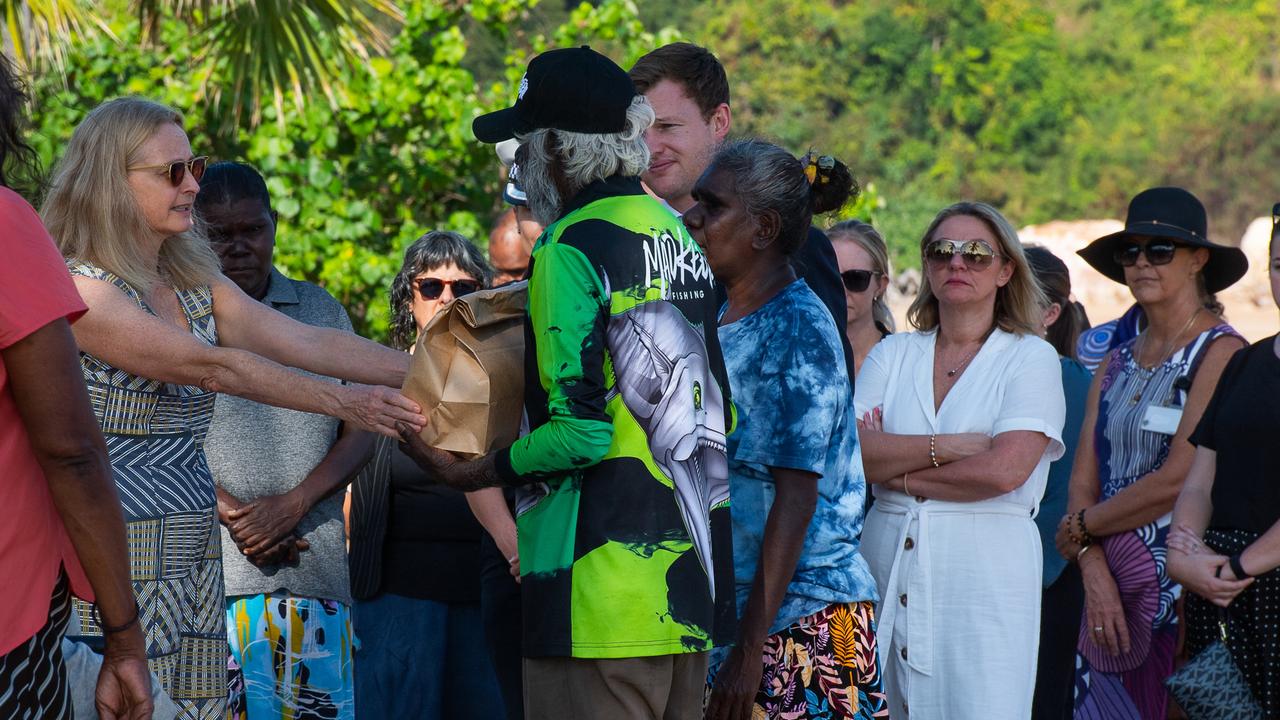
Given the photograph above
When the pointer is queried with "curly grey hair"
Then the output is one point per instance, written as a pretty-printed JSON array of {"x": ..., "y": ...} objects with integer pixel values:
[
  {"x": 435, "y": 249},
  {"x": 585, "y": 159}
]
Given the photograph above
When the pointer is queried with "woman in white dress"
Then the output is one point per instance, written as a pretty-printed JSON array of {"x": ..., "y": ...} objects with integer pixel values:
[{"x": 960, "y": 422}]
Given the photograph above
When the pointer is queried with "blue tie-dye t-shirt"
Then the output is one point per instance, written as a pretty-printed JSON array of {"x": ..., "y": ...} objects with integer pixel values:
[{"x": 795, "y": 410}]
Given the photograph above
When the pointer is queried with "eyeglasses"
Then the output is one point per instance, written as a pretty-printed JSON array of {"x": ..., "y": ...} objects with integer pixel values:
[
  {"x": 977, "y": 254},
  {"x": 432, "y": 288},
  {"x": 177, "y": 170},
  {"x": 1158, "y": 252},
  {"x": 858, "y": 280}
]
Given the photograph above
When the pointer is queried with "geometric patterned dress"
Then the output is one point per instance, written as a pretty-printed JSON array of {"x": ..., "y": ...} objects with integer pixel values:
[
  {"x": 155, "y": 435},
  {"x": 1130, "y": 686}
]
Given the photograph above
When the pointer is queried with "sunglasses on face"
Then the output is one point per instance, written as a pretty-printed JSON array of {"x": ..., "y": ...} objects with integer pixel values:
[
  {"x": 177, "y": 170},
  {"x": 857, "y": 281},
  {"x": 1158, "y": 252},
  {"x": 977, "y": 254},
  {"x": 432, "y": 288}
]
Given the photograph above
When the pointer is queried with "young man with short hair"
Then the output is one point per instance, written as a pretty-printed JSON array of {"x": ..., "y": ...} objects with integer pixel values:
[{"x": 689, "y": 91}]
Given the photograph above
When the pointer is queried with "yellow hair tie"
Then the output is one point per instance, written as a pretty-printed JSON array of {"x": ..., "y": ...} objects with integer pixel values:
[
  {"x": 818, "y": 168},
  {"x": 811, "y": 171}
]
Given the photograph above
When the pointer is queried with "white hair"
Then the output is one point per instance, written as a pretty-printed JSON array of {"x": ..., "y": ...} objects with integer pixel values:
[{"x": 585, "y": 158}]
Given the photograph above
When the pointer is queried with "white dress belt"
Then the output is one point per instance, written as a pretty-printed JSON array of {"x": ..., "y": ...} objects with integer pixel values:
[{"x": 919, "y": 610}]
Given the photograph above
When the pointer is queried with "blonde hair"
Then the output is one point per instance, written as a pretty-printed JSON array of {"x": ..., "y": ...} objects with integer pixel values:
[
  {"x": 870, "y": 240},
  {"x": 1019, "y": 303},
  {"x": 91, "y": 212}
]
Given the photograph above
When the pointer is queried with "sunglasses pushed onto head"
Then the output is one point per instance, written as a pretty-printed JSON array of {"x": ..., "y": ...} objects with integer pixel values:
[{"x": 177, "y": 170}]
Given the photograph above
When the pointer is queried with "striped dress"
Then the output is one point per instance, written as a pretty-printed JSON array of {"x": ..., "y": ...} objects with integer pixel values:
[
  {"x": 1130, "y": 686},
  {"x": 155, "y": 434}
]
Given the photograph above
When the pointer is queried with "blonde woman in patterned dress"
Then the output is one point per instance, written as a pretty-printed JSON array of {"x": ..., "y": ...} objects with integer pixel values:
[{"x": 164, "y": 332}]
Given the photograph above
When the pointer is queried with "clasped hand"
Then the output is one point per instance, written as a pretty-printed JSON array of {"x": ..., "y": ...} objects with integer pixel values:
[
  {"x": 263, "y": 529},
  {"x": 1201, "y": 570}
]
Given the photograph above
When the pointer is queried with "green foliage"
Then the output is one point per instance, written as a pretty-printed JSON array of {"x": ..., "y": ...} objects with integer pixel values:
[
  {"x": 1053, "y": 110},
  {"x": 257, "y": 49},
  {"x": 1057, "y": 109},
  {"x": 356, "y": 183}
]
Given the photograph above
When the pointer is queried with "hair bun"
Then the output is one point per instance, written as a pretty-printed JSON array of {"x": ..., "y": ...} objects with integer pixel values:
[{"x": 831, "y": 185}]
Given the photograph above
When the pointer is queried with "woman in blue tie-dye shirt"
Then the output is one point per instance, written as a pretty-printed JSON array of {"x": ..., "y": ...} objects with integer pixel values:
[{"x": 806, "y": 636}]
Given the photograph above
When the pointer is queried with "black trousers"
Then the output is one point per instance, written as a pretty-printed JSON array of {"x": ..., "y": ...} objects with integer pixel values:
[
  {"x": 503, "y": 626},
  {"x": 1061, "y": 607}
]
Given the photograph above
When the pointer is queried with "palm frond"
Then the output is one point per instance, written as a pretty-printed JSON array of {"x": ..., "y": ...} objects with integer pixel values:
[
  {"x": 38, "y": 31},
  {"x": 287, "y": 48}
]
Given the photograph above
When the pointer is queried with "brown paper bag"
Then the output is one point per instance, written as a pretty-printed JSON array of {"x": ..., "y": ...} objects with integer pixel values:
[{"x": 467, "y": 372}]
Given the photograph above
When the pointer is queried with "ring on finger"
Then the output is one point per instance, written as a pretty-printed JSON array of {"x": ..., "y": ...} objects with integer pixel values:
[{"x": 1098, "y": 629}]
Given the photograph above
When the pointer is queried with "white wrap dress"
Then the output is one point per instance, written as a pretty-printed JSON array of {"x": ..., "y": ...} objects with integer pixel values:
[{"x": 959, "y": 616}]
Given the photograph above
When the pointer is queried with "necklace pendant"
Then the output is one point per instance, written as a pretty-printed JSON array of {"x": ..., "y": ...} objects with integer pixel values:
[{"x": 951, "y": 373}]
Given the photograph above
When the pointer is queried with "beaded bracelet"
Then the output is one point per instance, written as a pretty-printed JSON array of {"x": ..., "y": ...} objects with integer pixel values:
[
  {"x": 1071, "y": 531},
  {"x": 1085, "y": 537},
  {"x": 933, "y": 450}
]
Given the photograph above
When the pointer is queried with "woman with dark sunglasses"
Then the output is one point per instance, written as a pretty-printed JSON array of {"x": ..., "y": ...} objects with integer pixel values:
[
  {"x": 164, "y": 333},
  {"x": 864, "y": 268},
  {"x": 961, "y": 420},
  {"x": 1133, "y": 454},
  {"x": 1225, "y": 543},
  {"x": 415, "y": 543}
]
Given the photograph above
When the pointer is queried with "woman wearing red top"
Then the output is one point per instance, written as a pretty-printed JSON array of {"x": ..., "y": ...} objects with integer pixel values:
[{"x": 55, "y": 470}]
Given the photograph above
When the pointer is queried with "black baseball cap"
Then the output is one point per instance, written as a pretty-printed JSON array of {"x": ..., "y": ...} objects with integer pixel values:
[{"x": 573, "y": 89}]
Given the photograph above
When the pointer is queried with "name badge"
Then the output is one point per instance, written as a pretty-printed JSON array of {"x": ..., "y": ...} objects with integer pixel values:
[{"x": 1163, "y": 420}]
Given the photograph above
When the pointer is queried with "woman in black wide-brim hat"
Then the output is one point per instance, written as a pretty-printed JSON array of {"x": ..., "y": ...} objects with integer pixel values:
[{"x": 1146, "y": 399}]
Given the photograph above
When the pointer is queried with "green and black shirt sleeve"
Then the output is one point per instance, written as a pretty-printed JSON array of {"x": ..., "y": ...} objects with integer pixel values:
[{"x": 568, "y": 312}]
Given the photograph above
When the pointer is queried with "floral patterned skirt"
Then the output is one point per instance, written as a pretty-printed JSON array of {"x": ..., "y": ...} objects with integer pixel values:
[
  {"x": 824, "y": 666},
  {"x": 290, "y": 658}
]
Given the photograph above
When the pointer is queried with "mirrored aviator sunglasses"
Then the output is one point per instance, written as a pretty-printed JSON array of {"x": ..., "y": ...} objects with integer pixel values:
[
  {"x": 177, "y": 170},
  {"x": 857, "y": 281},
  {"x": 433, "y": 288},
  {"x": 977, "y": 254},
  {"x": 1158, "y": 252}
]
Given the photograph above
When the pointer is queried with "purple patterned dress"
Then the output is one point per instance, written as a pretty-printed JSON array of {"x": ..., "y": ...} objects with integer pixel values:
[{"x": 1131, "y": 686}]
